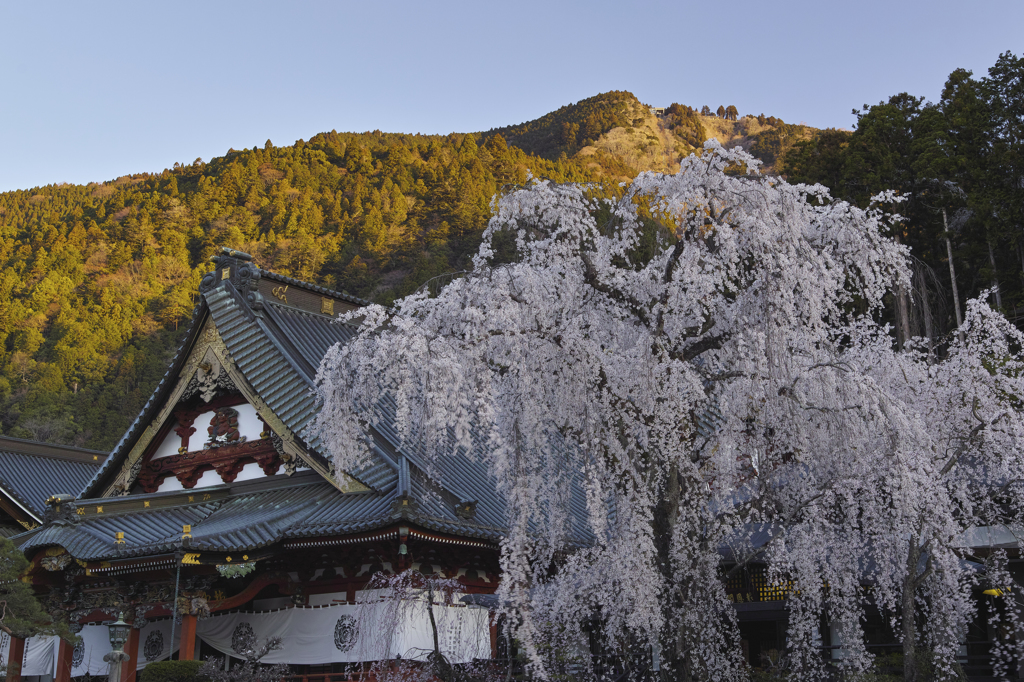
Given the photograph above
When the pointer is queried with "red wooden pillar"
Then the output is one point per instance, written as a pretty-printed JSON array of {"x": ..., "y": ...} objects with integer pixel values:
[
  {"x": 65, "y": 654},
  {"x": 15, "y": 657},
  {"x": 494, "y": 635},
  {"x": 131, "y": 647},
  {"x": 187, "y": 647}
]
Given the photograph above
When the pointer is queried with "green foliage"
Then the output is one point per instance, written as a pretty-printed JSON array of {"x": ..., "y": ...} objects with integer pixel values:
[
  {"x": 172, "y": 671},
  {"x": 962, "y": 156},
  {"x": 236, "y": 570},
  {"x": 771, "y": 144},
  {"x": 685, "y": 123},
  {"x": 98, "y": 282},
  {"x": 573, "y": 126},
  {"x": 818, "y": 159},
  {"x": 23, "y": 615}
]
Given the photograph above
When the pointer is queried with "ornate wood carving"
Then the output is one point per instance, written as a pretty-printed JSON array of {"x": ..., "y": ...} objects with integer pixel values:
[
  {"x": 227, "y": 460},
  {"x": 223, "y": 429}
]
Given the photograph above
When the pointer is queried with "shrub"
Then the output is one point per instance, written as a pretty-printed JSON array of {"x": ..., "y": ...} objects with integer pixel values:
[{"x": 173, "y": 671}]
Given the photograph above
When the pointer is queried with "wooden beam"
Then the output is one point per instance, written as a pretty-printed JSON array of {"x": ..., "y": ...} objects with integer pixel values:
[
  {"x": 65, "y": 660},
  {"x": 187, "y": 646},
  {"x": 15, "y": 658},
  {"x": 249, "y": 592},
  {"x": 131, "y": 647}
]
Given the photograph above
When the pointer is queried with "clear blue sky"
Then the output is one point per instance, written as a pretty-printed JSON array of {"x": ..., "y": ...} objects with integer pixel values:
[{"x": 92, "y": 91}]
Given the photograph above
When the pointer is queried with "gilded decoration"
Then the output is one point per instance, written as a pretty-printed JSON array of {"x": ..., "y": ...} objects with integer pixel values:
[
  {"x": 56, "y": 563},
  {"x": 61, "y": 509}
]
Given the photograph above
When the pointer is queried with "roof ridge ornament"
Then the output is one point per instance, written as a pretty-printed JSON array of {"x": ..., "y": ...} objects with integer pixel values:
[
  {"x": 62, "y": 510},
  {"x": 238, "y": 268}
]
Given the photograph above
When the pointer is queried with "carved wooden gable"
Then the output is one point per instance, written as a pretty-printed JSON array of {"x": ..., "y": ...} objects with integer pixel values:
[
  {"x": 224, "y": 437},
  {"x": 213, "y": 429}
]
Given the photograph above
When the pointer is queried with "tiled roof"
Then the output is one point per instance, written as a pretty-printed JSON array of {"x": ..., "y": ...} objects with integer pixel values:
[
  {"x": 146, "y": 532},
  {"x": 253, "y": 515},
  {"x": 30, "y": 472}
]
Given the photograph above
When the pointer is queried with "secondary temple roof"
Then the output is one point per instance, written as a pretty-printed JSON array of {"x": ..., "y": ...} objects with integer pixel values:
[{"x": 30, "y": 471}]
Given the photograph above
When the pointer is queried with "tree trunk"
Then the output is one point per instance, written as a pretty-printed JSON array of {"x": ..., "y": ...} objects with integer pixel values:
[
  {"x": 952, "y": 278},
  {"x": 995, "y": 277},
  {"x": 909, "y": 629},
  {"x": 903, "y": 333},
  {"x": 442, "y": 669},
  {"x": 926, "y": 310},
  {"x": 674, "y": 666},
  {"x": 902, "y": 312}
]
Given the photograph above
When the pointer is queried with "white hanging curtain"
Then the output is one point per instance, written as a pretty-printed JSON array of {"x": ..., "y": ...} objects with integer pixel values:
[
  {"x": 155, "y": 642},
  {"x": 349, "y": 633},
  {"x": 87, "y": 658},
  {"x": 38, "y": 658}
]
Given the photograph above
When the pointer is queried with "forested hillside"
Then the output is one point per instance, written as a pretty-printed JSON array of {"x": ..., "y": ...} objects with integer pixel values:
[
  {"x": 97, "y": 281},
  {"x": 959, "y": 162}
]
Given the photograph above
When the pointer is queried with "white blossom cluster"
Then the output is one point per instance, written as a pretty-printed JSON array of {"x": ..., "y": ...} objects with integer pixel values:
[{"x": 693, "y": 391}]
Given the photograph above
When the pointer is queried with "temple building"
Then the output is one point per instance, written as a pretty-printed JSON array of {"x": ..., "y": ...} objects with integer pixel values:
[{"x": 220, "y": 493}]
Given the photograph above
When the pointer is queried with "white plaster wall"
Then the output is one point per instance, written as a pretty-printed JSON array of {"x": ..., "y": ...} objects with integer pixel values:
[
  {"x": 249, "y": 425},
  {"x": 170, "y": 444},
  {"x": 249, "y": 472},
  {"x": 170, "y": 484}
]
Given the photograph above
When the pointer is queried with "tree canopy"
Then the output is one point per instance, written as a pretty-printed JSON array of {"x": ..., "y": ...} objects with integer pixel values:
[
  {"x": 960, "y": 163},
  {"x": 712, "y": 372}
]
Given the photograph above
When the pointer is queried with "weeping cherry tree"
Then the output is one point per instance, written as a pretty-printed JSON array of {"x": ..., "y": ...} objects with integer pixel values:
[{"x": 688, "y": 362}]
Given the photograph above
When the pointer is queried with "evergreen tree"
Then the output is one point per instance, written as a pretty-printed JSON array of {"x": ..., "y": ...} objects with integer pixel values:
[{"x": 22, "y": 615}]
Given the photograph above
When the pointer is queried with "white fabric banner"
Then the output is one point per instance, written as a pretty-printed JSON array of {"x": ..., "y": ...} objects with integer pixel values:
[
  {"x": 87, "y": 658},
  {"x": 38, "y": 656},
  {"x": 155, "y": 642},
  {"x": 349, "y": 633}
]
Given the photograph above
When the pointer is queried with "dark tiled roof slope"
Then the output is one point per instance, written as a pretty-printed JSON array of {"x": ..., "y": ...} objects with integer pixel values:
[
  {"x": 256, "y": 514},
  {"x": 32, "y": 478}
]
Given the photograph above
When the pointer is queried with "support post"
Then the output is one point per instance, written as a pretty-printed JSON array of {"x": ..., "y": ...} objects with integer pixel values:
[
  {"x": 131, "y": 647},
  {"x": 15, "y": 659},
  {"x": 187, "y": 645},
  {"x": 65, "y": 660},
  {"x": 115, "y": 669}
]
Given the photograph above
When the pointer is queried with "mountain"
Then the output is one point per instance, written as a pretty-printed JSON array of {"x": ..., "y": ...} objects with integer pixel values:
[{"x": 96, "y": 280}]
